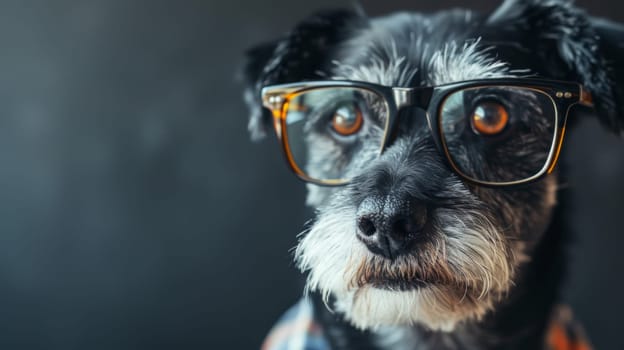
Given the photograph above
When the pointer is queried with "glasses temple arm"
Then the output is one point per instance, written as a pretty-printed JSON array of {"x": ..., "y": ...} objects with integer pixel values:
[{"x": 586, "y": 98}]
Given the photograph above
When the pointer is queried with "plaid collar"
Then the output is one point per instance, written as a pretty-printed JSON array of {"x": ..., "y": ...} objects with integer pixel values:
[
  {"x": 565, "y": 333},
  {"x": 297, "y": 330}
]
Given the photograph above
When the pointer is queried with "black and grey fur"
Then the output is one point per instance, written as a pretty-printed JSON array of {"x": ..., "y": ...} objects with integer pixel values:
[{"x": 486, "y": 270}]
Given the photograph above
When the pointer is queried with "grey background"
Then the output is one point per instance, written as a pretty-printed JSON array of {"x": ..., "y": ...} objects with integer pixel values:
[{"x": 136, "y": 214}]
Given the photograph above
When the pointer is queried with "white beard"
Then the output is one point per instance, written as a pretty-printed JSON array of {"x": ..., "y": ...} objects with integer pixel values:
[{"x": 472, "y": 247}]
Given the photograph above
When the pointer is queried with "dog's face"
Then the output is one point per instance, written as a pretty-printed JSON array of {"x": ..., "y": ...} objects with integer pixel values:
[{"x": 407, "y": 240}]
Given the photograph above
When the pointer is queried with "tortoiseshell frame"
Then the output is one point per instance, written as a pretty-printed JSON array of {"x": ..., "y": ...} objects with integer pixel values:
[{"x": 563, "y": 95}]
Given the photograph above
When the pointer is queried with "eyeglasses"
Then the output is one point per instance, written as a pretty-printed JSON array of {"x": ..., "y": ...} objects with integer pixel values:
[{"x": 495, "y": 132}]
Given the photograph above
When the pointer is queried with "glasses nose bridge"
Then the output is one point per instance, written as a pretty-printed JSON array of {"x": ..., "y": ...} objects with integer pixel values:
[
  {"x": 415, "y": 97},
  {"x": 418, "y": 97}
]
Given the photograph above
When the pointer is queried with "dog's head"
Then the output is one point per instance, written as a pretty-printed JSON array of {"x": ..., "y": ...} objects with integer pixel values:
[{"x": 410, "y": 238}]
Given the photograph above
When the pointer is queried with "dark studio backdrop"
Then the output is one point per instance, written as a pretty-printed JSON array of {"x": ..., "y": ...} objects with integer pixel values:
[{"x": 135, "y": 212}]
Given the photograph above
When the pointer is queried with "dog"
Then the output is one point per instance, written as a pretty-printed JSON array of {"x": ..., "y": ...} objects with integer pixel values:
[{"x": 429, "y": 144}]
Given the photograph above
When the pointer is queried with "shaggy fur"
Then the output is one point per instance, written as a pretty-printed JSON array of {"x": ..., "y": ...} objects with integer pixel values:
[{"x": 485, "y": 274}]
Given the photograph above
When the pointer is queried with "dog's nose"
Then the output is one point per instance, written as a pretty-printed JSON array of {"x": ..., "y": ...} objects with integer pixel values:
[{"x": 388, "y": 226}]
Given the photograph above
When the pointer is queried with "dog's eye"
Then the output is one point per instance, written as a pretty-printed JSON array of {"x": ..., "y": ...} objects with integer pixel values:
[
  {"x": 489, "y": 118},
  {"x": 347, "y": 120}
]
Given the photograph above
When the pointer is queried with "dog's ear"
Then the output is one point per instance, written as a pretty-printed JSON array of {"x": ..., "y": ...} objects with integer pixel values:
[
  {"x": 611, "y": 43},
  {"x": 300, "y": 55},
  {"x": 257, "y": 59},
  {"x": 566, "y": 43}
]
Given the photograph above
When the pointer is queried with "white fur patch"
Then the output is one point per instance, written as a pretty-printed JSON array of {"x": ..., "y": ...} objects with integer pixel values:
[
  {"x": 474, "y": 251},
  {"x": 454, "y": 63},
  {"x": 393, "y": 72},
  {"x": 469, "y": 61}
]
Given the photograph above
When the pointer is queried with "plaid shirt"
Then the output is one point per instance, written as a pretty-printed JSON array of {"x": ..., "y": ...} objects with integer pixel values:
[{"x": 297, "y": 330}]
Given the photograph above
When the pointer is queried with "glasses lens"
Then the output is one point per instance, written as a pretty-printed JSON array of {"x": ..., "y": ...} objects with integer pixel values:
[
  {"x": 498, "y": 134},
  {"x": 324, "y": 126}
]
